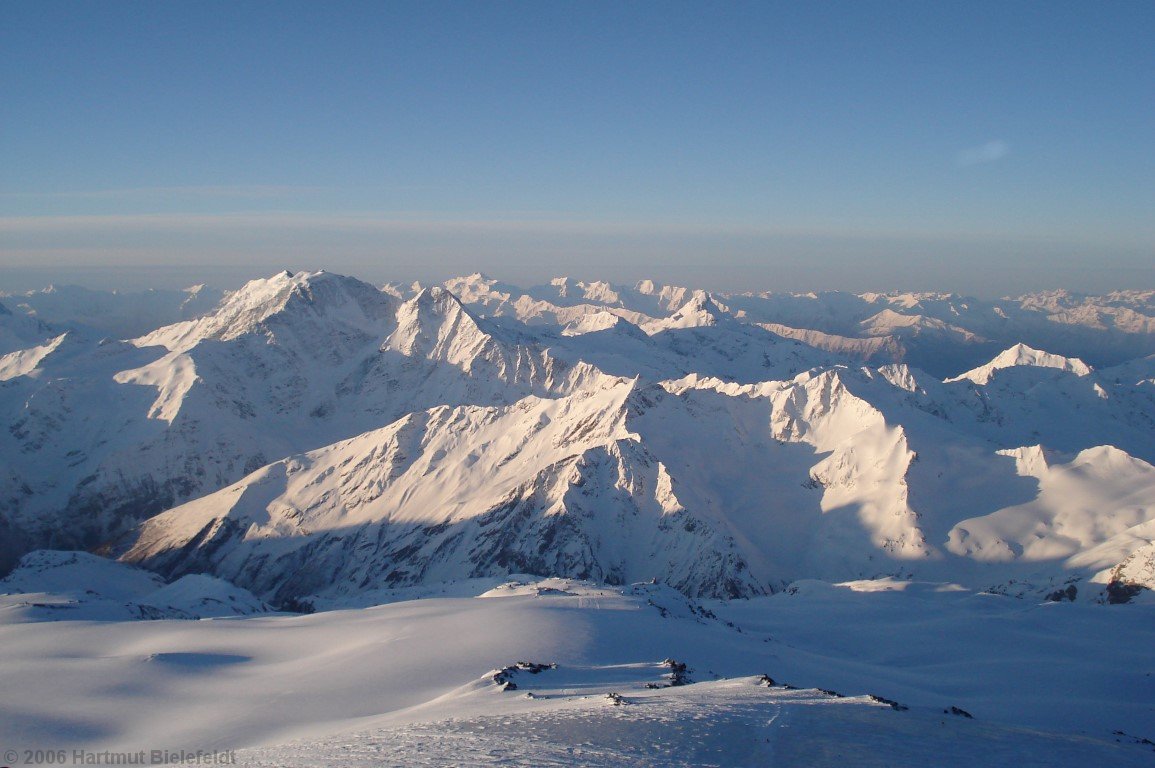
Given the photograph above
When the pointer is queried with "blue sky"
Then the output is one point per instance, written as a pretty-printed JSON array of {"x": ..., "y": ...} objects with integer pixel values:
[{"x": 980, "y": 147}]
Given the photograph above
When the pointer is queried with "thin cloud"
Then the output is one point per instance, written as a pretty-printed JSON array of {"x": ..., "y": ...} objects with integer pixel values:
[
  {"x": 249, "y": 226},
  {"x": 255, "y": 191},
  {"x": 991, "y": 152}
]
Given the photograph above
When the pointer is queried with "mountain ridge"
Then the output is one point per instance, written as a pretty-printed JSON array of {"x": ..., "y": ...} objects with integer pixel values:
[{"x": 715, "y": 454}]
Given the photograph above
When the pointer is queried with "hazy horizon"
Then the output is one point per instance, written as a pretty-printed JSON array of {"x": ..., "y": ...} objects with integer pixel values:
[
  {"x": 133, "y": 278},
  {"x": 983, "y": 149},
  {"x": 795, "y": 277}
]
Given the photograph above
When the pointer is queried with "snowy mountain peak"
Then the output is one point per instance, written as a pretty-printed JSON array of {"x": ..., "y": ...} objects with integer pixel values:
[
  {"x": 436, "y": 299},
  {"x": 655, "y": 296},
  {"x": 901, "y": 376},
  {"x": 434, "y": 324},
  {"x": 597, "y": 292},
  {"x": 477, "y": 288},
  {"x": 1022, "y": 355},
  {"x": 1111, "y": 461},
  {"x": 1030, "y": 460},
  {"x": 601, "y": 320},
  {"x": 820, "y": 410},
  {"x": 24, "y": 361},
  {"x": 600, "y": 292},
  {"x": 565, "y": 286},
  {"x": 279, "y": 301},
  {"x": 701, "y": 310},
  {"x": 889, "y": 322},
  {"x": 477, "y": 280}
]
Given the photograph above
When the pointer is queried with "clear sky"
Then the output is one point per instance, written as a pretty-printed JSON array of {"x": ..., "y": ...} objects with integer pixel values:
[{"x": 986, "y": 147}]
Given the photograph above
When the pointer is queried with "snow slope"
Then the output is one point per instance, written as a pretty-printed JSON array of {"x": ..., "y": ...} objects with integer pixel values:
[
  {"x": 1021, "y": 354},
  {"x": 50, "y": 585},
  {"x": 1082, "y": 505},
  {"x": 18, "y": 331},
  {"x": 413, "y": 682},
  {"x": 548, "y": 486},
  {"x": 716, "y": 488}
]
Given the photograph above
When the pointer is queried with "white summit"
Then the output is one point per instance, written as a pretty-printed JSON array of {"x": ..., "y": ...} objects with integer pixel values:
[{"x": 1022, "y": 355}]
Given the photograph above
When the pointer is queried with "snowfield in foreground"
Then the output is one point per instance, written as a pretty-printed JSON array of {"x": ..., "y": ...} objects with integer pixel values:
[{"x": 558, "y": 672}]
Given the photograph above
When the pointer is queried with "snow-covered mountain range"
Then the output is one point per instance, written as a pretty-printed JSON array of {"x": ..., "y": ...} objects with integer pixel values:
[{"x": 311, "y": 436}]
